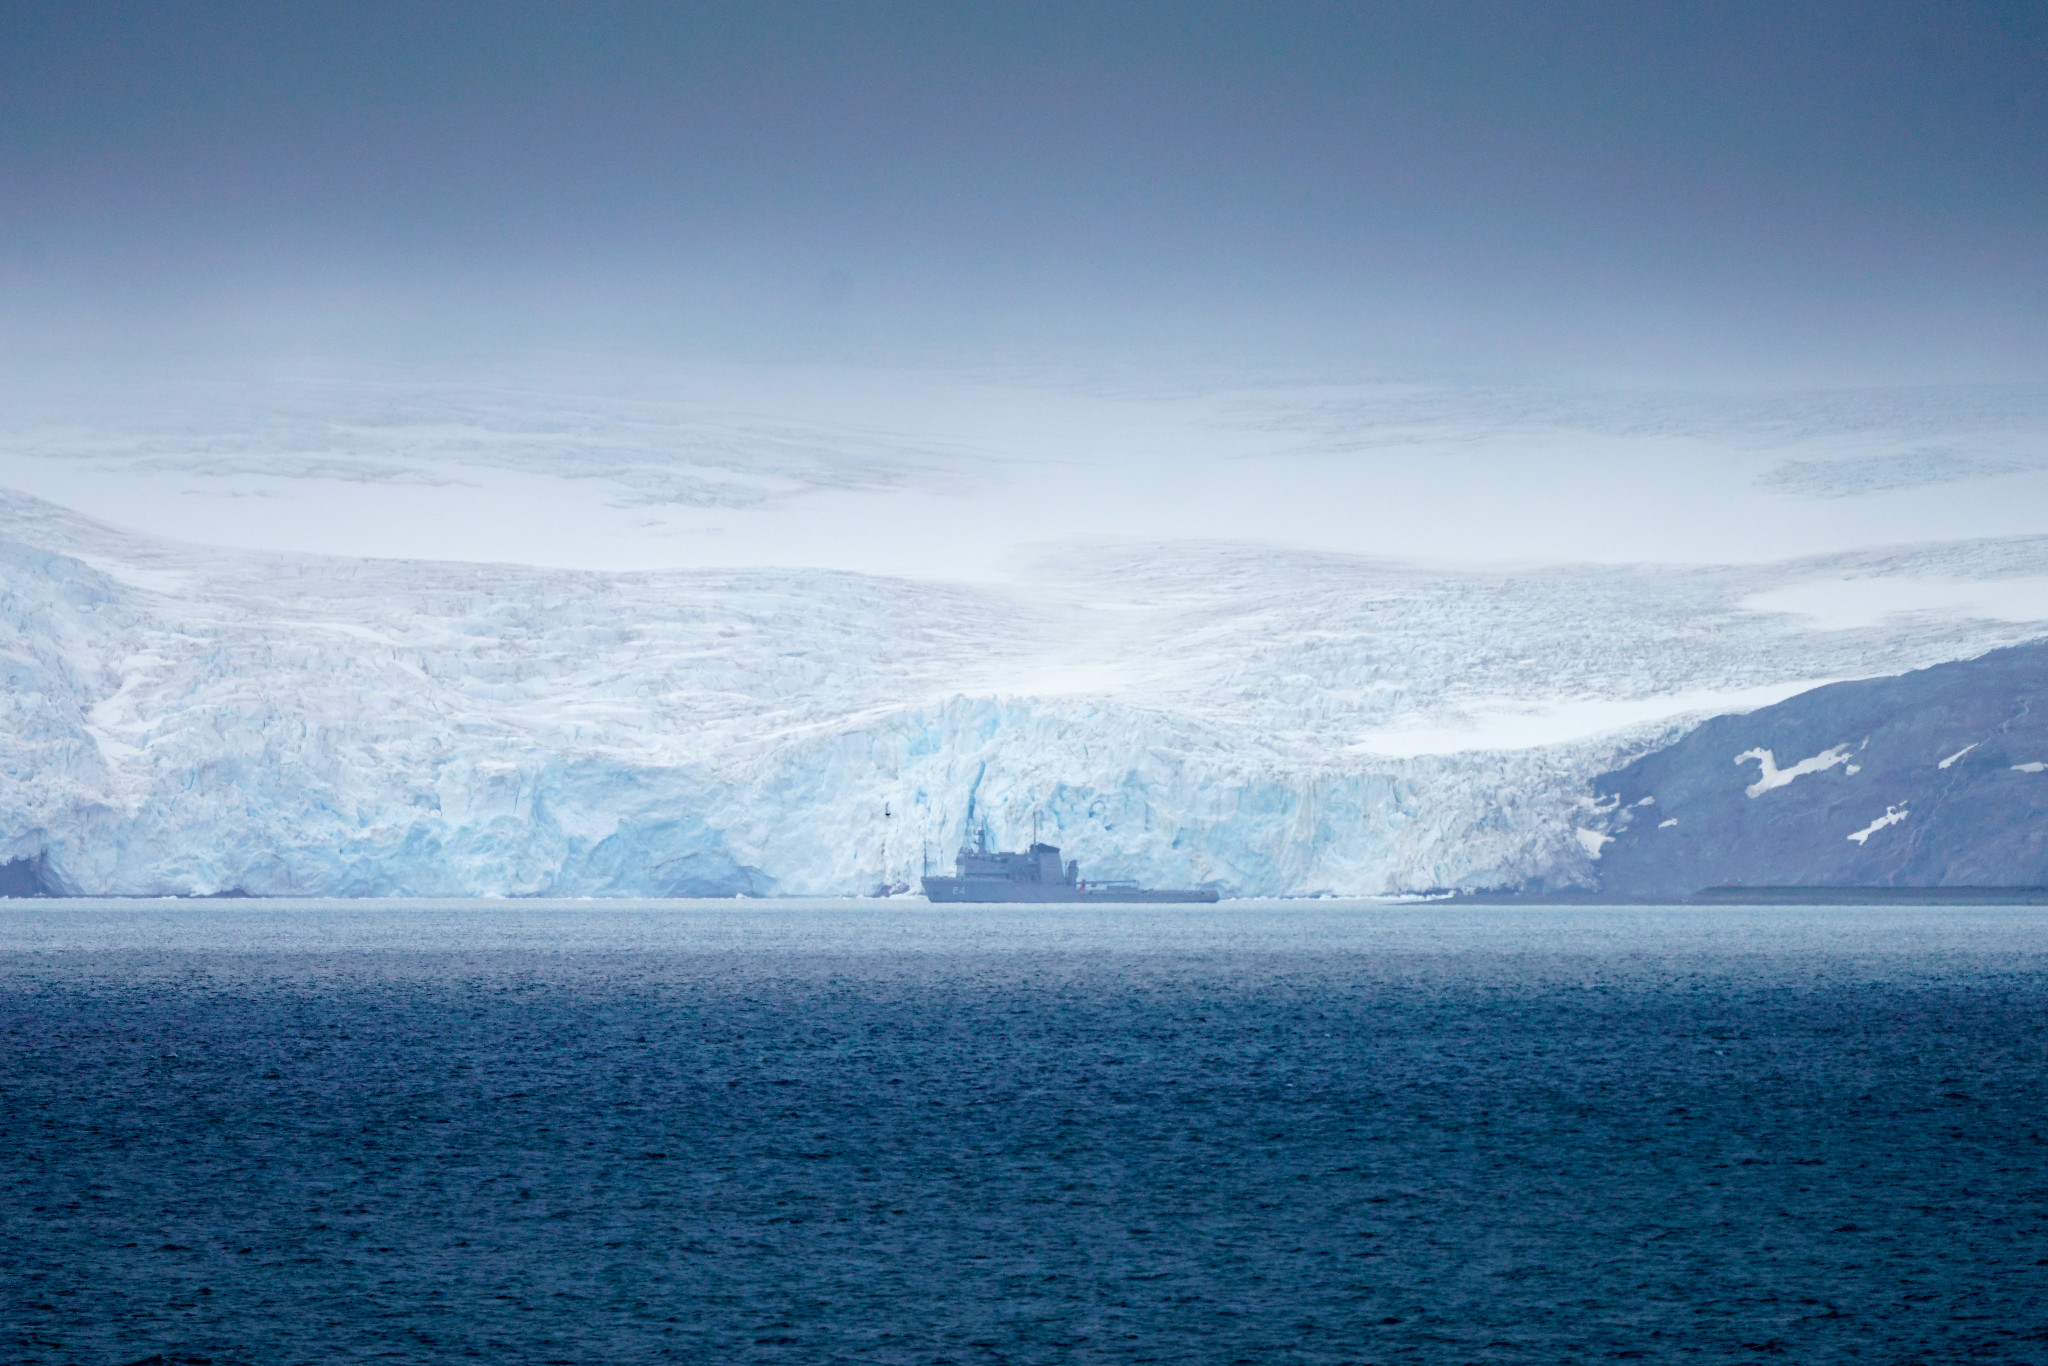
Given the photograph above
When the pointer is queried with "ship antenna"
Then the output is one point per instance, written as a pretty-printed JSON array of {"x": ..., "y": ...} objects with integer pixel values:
[{"x": 1034, "y": 827}]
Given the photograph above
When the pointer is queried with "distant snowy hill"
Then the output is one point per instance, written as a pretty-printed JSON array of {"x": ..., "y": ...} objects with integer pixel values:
[
  {"x": 185, "y": 720},
  {"x": 1935, "y": 778}
]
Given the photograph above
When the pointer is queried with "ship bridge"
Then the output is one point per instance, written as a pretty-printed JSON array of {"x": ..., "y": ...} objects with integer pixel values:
[{"x": 1039, "y": 864}]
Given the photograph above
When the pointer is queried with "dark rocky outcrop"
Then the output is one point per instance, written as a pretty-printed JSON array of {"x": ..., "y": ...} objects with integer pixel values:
[{"x": 1936, "y": 778}]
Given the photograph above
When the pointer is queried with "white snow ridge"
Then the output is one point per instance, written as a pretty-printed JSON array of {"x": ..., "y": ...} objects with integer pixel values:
[{"x": 181, "y": 720}]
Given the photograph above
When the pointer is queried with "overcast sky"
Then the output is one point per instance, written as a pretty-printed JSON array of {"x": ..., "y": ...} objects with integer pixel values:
[
  {"x": 921, "y": 289},
  {"x": 1672, "y": 193}
]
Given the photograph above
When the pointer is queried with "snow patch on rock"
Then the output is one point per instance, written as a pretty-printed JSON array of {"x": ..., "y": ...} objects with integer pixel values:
[
  {"x": 1892, "y": 816},
  {"x": 1771, "y": 776}
]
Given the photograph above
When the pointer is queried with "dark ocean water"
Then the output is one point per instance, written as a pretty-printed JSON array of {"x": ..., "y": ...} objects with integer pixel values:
[{"x": 290, "y": 1132}]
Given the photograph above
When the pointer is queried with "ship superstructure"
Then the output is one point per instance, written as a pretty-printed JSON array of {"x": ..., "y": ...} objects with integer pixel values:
[{"x": 1037, "y": 874}]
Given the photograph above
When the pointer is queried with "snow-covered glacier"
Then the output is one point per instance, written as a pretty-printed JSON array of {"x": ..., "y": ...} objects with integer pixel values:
[{"x": 183, "y": 720}]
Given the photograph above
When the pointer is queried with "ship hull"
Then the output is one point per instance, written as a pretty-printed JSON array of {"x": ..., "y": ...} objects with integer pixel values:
[{"x": 990, "y": 890}]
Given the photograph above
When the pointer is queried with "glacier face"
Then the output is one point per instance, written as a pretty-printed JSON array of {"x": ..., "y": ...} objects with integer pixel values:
[{"x": 183, "y": 720}]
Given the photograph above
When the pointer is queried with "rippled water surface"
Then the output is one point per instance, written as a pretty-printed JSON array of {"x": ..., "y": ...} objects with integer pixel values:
[{"x": 867, "y": 1132}]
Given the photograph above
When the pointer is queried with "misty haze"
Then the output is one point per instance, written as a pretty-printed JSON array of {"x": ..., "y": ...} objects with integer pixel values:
[{"x": 912, "y": 683}]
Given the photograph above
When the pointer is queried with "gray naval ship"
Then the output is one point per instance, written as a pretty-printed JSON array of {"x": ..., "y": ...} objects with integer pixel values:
[{"x": 980, "y": 874}]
